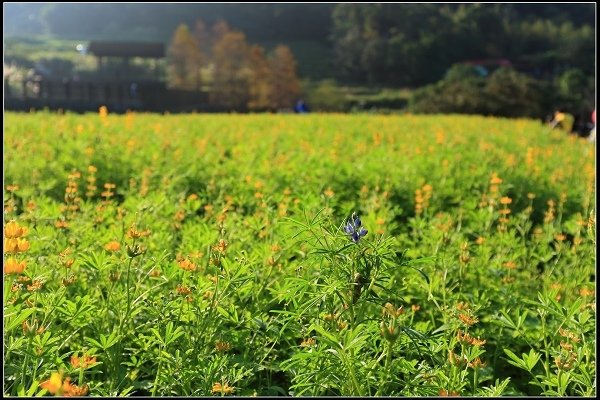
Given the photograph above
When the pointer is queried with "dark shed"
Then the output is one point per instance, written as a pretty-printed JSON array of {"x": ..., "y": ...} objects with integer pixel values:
[{"x": 127, "y": 49}]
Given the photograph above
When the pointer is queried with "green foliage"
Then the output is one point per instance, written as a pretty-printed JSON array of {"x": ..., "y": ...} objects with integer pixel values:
[
  {"x": 324, "y": 96},
  {"x": 199, "y": 255},
  {"x": 414, "y": 44},
  {"x": 504, "y": 93}
]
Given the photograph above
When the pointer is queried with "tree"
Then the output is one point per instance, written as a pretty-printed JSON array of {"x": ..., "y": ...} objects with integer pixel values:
[
  {"x": 285, "y": 87},
  {"x": 231, "y": 72},
  {"x": 202, "y": 36},
  {"x": 185, "y": 60},
  {"x": 259, "y": 85},
  {"x": 218, "y": 30}
]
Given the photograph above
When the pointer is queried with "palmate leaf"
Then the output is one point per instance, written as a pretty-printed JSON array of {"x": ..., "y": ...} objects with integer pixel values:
[
  {"x": 15, "y": 319},
  {"x": 526, "y": 362}
]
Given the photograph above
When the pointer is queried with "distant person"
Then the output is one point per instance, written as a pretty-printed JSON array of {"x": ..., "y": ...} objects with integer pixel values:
[
  {"x": 133, "y": 90},
  {"x": 562, "y": 120},
  {"x": 592, "y": 136},
  {"x": 301, "y": 107}
]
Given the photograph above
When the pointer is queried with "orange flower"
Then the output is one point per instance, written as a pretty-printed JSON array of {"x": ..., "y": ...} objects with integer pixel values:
[
  {"x": 505, "y": 200},
  {"x": 112, "y": 246},
  {"x": 468, "y": 320},
  {"x": 35, "y": 285},
  {"x": 495, "y": 180},
  {"x": 510, "y": 265},
  {"x": 476, "y": 363},
  {"x": 222, "y": 346},
  {"x": 83, "y": 362},
  {"x": 329, "y": 192},
  {"x": 61, "y": 224},
  {"x": 186, "y": 265},
  {"x": 446, "y": 393},
  {"x": 133, "y": 233},
  {"x": 12, "y": 266},
  {"x": 308, "y": 342},
  {"x": 70, "y": 390},
  {"x": 54, "y": 384},
  {"x": 22, "y": 245},
  {"x": 222, "y": 388},
  {"x": 183, "y": 290},
  {"x": 13, "y": 230},
  {"x": 10, "y": 245},
  {"x": 221, "y": 247}
]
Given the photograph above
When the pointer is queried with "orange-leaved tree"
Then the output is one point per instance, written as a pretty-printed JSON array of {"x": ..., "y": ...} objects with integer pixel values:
[
  {"x": 285, "y": 87},
  {"x": 185, "y": 60},
  {"x": 231, "y": 72}
]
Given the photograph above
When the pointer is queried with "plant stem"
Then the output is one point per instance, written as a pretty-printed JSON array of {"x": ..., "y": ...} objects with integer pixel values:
[
  {"x": 157, "y": 374},
  {"x": 388, "y": 361}
]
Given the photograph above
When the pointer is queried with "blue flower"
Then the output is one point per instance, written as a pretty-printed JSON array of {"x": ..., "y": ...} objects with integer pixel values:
[{"x": 354, "y": 228}]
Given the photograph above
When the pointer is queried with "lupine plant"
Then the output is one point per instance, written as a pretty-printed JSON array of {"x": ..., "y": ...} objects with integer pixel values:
[{"x": 350, "y": 255}]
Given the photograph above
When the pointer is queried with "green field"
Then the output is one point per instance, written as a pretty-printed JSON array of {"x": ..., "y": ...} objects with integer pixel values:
[{"x": 200, "y": 255}]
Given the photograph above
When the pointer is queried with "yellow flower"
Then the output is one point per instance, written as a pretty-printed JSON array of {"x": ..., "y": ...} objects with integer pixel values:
[
  {"x": 329, "y": 192},
  {"x": 103, "y": 111},
  {"x": 12, "y": 266}
]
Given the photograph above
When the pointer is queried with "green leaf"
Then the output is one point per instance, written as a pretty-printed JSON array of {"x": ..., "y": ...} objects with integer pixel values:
[
  {"x": 11, "y": 321},
  {"x": 515, "y": 360}
]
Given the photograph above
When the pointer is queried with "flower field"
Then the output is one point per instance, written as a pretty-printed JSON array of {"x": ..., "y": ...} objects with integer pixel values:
[{"x": 210, "y": 255}]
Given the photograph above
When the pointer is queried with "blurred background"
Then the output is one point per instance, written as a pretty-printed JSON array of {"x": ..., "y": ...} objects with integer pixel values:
[{"x": 513, "y": 60}]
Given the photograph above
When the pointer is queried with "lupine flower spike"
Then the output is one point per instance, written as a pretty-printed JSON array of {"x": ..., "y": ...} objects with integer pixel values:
[{"x": 354, "y": 228}]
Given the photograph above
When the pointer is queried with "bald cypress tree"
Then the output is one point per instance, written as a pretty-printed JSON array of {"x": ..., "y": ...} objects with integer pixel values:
[
  {"x": 185, "y": 60},
  {"x": 285, "y": 87},
  {"x": 230, "y": 87}
]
